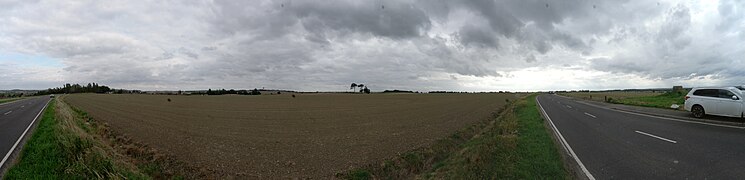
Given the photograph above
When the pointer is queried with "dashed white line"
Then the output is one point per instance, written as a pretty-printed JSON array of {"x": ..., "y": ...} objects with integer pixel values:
[
  {"x": 658, "y": 137},
  {"x": 663, "y": 118},
  {"x": 8, "y": 112},
  {"x": 593, "y": 116},
  {"x": 570, "y": 107}
]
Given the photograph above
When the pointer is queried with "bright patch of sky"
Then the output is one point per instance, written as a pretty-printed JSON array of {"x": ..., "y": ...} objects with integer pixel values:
[{"x": 26, "y": 60}]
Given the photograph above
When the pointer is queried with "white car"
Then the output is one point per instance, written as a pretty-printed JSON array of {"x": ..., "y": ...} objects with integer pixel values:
[{"x": 721, "y": 101}]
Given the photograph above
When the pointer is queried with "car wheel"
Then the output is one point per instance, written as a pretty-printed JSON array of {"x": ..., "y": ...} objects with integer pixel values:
[{"x": 698, "y": 111}]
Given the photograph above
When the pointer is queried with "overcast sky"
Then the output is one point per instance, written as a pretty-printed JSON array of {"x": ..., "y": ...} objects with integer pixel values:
[{"x": 470, "y": 45}]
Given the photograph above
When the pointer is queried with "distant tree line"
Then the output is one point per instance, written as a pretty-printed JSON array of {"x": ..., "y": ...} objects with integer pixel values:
[
  {"x": 398, "y": 91},
  {"x": 125, "y": 91},
  {"x": 76, "y": 88},
  {"x": 10, "y": 95},
  {"x": 448, "y": 92},
  {"x": 233, "y": 91}
]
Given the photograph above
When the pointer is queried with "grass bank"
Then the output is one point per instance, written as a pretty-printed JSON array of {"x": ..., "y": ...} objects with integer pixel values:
[
  {"x": 514, "y": 144},
  {"x": 9, "y": 100},
  {"x": 659, "y": 101},
  {"x": 644, "y": 98},
  {"x": 62, "y": 147},
  {"x": 68, "y": 144}
]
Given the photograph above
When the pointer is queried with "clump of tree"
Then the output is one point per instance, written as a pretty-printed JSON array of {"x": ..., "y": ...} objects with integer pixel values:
[
  {"x": 363, "y": 88},
  {"x": 217, "y": 92},
  {"x": 76, "y": 88}
]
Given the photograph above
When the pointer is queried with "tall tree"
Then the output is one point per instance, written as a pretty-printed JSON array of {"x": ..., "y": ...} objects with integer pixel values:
[
  {"x": 354, "y": 87},
  {"x": 360, "y": 86}
]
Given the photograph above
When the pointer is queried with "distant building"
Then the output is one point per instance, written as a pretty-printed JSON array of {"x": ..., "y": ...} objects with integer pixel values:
[{"x": 678, "y": 89}]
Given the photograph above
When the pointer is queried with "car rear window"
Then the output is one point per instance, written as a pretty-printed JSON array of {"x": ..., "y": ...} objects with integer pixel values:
[
  {"x": 723, "y": 93},
  {"x": 707, "y": 92}
]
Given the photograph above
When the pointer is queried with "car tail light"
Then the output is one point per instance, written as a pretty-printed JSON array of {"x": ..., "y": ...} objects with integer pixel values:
[{"x": 687, "y": 97}]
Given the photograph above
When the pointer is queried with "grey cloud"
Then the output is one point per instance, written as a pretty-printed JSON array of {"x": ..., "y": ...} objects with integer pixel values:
[
  {"x": 673, "y": 30},
  {"x": 83, "y": 45},
  {"x": 529, "y": 22},
  {"x": 731, "y": 11},
  {"x": 530, "y": 58},
  {"x": 188, "y": 53},
  {"x": 396, "y": 20},
  {"x": 471, "y": 35}
]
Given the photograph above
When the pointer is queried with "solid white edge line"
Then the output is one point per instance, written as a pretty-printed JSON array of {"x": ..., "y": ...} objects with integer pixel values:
[
  {"x": 658, "y": 137},
  {"x": 565, "y": 143},
  {"x": 7, "y": 155},
  {"x": 593, "y": 116}
]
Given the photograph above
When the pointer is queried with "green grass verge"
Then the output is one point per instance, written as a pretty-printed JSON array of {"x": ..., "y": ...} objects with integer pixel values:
[
  {"x": 515, "y": 144},
  {"x": 517, "y": 147},
  {"x": 660, "y": 101},
  {"x": 41, "y": 155},
  {"x": 539, "y": 156},
  {"x": 60, "y": 149},
  {"x": 9, "y": 100}
]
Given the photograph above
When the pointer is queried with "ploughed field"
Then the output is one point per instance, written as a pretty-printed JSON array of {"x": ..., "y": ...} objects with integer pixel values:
[{"x": 278, "y": 136}]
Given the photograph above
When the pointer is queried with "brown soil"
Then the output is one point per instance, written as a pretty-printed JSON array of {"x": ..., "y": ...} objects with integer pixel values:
[{"x": 310, "y": 136}]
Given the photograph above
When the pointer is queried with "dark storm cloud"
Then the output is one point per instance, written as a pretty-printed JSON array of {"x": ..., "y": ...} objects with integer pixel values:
[
  {"x": 471, "y": 35},
  {"x": 320, "y": 18}
]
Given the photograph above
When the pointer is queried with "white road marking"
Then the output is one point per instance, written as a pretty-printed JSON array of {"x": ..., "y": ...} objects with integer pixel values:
[
  {"x": 564, "y": 143},
  {"x": 570, "y": 107},
  {"x": 660, "y": 138},
  {"x": 593, "y": 116},
  {"x": 24, "y": 134},
  {"x": 653, "y": 116},
  {"x": 8, "y": 112},
  {"x": 664, "y": 118},
  {"x": 23, "y": 106}
]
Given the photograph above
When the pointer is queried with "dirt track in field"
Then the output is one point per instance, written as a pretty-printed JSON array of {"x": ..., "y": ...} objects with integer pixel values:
[{"x": 277, "y": 136}]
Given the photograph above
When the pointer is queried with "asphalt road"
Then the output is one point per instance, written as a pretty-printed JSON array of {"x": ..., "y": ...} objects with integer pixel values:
[
  {"x": 15, "y": 118},
  {"x": 618, "y": 145}
]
